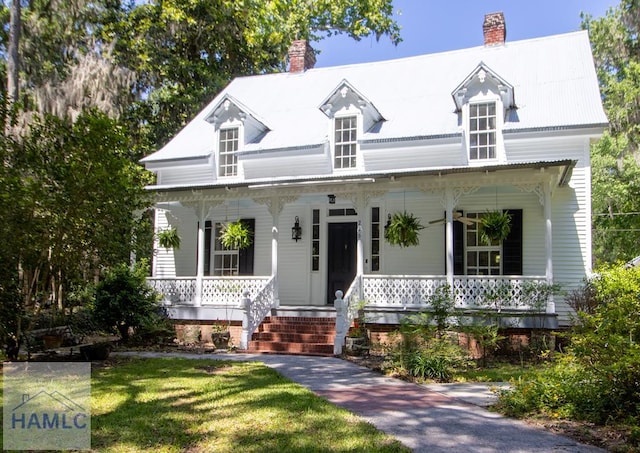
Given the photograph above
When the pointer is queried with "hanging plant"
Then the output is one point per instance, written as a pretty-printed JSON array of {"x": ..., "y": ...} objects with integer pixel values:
[
  {"x": 402, "y": 229},
  {"x": 496, "y": 226},
  {"x": 169, "y": 238},
  {"x": 236, "y": 235}
]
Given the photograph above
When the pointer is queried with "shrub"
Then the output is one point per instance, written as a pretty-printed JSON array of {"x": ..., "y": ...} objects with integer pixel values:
[
  {"x": 123, "y": 301},
  {"x": 599, "y": 379}
]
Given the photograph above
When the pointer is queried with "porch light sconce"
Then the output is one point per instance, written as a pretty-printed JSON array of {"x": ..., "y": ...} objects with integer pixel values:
[
  {"x": 296, "y": 230},
  {"x": 388, "y": 224},
  {"x": 332, "y": 199}
]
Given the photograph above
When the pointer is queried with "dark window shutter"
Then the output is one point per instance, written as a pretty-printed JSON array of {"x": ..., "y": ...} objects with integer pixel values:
[
  {"x": 458, "y": 248},
  {"x": 245, "y": 256},
  {"x": 512, "y": 245}
]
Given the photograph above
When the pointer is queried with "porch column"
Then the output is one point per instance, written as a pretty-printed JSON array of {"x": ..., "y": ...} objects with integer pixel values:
[
  {"x": 274, "y": 260},
  {"x": 449, "y": 235},
  {"x": 548, "y": 241},
  {"x": 200, "y": 266}
]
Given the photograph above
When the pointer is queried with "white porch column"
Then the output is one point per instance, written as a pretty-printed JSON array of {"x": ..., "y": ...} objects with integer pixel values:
[
  {"x": 274, "y": 259},
  {"x": 360, "y": 259},
  {"x": 449, "y": 235},
  {"x": 200, "y": 266},
  {"x": 548, "y": 242}
]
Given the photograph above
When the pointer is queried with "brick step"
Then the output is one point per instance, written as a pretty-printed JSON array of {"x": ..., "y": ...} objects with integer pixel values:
[
  {"x": 294, "y": 337},
  {"x": 291, "y": 348},
  {"x": 295, "y": 328},
  {"x": 300, "y": 321}
]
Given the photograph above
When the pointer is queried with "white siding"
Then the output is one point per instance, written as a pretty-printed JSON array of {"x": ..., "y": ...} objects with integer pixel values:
[
  {"x": 203, "y": 174},
  {"x": 438, "y": 155}
]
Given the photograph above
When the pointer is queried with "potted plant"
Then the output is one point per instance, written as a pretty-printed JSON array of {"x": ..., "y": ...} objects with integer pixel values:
[
  {"x": 496, "y": 226},
  {"x": 402, "y": 229},
  {"x": 169, "y": 238},
  {"x": 236, "y": 235},
  {"x": 220, "y": 335}
]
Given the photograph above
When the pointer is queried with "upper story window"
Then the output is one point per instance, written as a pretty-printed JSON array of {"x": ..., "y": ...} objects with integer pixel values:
[
  {"x": 228, "y": 152},
  {"x": 346, "y": 136},
  {"x": 482, "y": 131}
]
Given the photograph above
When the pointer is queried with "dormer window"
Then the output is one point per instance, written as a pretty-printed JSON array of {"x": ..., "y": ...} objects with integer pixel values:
[
  {"x": 228, "y": 152},
  {"x": 346, "y": 141},
  {"x": 482, "y": 131}
]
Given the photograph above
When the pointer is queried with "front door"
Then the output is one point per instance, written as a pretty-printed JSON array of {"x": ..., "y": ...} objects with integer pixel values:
[{"x": 341, "y": 260}]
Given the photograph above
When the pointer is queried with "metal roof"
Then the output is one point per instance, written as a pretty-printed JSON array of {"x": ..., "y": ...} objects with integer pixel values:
[{"x": 553, "y": 79}]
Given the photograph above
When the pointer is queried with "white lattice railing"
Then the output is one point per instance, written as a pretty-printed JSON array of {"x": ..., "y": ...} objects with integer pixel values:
[
  {"x": 175, "y": 290},
  {"x": 479, "y": 292},
  {"x": 229, "y": 290},
  {"x": 501, "y": 292},
  {"x": 351, "y": 297},
  {"x": 260, "y": 305},
  {"x": 215, "y": 290},
  {"x": 401, "y": 290}
]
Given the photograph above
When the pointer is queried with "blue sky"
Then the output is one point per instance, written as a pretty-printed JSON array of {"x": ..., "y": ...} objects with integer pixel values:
[{"x": 430, "y": 26}]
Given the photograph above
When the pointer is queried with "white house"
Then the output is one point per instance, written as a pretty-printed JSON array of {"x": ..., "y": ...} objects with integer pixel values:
[{"x": 337, "y": 151}]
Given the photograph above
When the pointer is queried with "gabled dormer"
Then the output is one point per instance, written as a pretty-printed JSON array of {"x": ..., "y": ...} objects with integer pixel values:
[
  {"x": 482, "y": 100},
  {"x": 351, "y": 113},
  {"x": 235, "y": 126}
]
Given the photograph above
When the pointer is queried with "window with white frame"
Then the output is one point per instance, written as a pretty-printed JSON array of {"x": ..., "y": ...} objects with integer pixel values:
[
  {"x": 228, "y": 152},
  {"x": 346, "y": 136},
  {"x": 482, "y": 131},
  {"x": 481, "y": 259},
  {"x": 225, "y": 260}
]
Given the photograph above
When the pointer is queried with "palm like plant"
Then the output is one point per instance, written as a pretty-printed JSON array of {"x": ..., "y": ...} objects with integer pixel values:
[
  {"x": 403, "y": 230},
  {"x": 236, "y": 235}
]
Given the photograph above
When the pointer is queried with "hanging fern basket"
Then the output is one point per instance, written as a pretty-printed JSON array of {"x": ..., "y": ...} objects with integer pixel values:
[
  {"x": 496, "y": 226},
  {"x": 236, "y": 236},
  {"x": 403, "y": 230},
  {"x": 169, "y": 238}
]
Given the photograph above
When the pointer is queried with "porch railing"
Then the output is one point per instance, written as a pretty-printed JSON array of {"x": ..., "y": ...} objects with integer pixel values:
[
  {"x": 215, "y": 290},
  {"x": 255, "y": 309},
  {"x": 469, "y": 292}
]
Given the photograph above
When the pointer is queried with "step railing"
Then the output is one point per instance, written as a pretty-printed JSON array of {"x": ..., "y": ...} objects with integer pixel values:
[
  {"x": 255, "y": 310},
  {"x": 344, "y": 305}
]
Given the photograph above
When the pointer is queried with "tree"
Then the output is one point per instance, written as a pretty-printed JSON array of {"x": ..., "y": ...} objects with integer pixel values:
[
  {"x": 184, "y": 53},
  {"x": 615, "y": 158}
]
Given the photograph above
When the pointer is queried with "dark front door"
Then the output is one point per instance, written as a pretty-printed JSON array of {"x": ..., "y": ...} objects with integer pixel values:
[{"x": 342, "y": 258}]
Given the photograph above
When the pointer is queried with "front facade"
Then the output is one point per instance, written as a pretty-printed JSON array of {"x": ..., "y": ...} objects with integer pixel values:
[{"x": 317, "y": 161}]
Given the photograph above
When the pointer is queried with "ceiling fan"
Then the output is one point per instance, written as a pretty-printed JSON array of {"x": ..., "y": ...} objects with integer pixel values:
[{"x": 457, "y": 215}]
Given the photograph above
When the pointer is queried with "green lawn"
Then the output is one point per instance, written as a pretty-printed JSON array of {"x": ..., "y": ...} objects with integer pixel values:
[{"x": 172, "y": 405}]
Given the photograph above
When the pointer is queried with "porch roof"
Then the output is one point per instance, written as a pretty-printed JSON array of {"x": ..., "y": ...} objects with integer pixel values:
[{"x": 563, "y": 167}]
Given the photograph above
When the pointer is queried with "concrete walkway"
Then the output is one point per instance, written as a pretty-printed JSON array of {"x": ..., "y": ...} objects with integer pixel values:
[{"x": 431, "y": 418}]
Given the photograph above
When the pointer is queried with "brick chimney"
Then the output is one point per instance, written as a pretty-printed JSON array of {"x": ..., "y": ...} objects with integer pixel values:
[
  {"x": 301, "y": 56},
  {"x": 494, "y": 29}
]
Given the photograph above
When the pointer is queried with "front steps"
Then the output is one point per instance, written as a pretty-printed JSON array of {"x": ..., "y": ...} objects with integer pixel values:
[{"x": 294, "y": 335}]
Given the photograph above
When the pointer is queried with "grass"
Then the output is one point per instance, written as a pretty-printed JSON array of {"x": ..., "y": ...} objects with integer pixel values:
[{"x": 173, "y": 405}]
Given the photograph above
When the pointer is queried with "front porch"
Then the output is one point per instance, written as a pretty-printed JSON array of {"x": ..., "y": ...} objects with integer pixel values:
[{"x": 518, "y": 301}]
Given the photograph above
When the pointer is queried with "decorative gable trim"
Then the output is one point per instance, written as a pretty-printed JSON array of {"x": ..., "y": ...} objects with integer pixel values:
[
  {"x": 482, "y": 75},
  {"x": 230, "y": 108},
  {"x": 344, "y": 95}
]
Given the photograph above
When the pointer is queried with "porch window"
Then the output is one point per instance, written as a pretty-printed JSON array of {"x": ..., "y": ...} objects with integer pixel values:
[
  {"x": 482, "y": 131},
  {"x": 471, "y": 256},
  {"x": 315, "y": 240},
  {"x": 228, "y": 152},
  {"x": 482, "y": 259},
  {"x": 225, "y": 260},
  {"x": 346, "y": 137}
]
